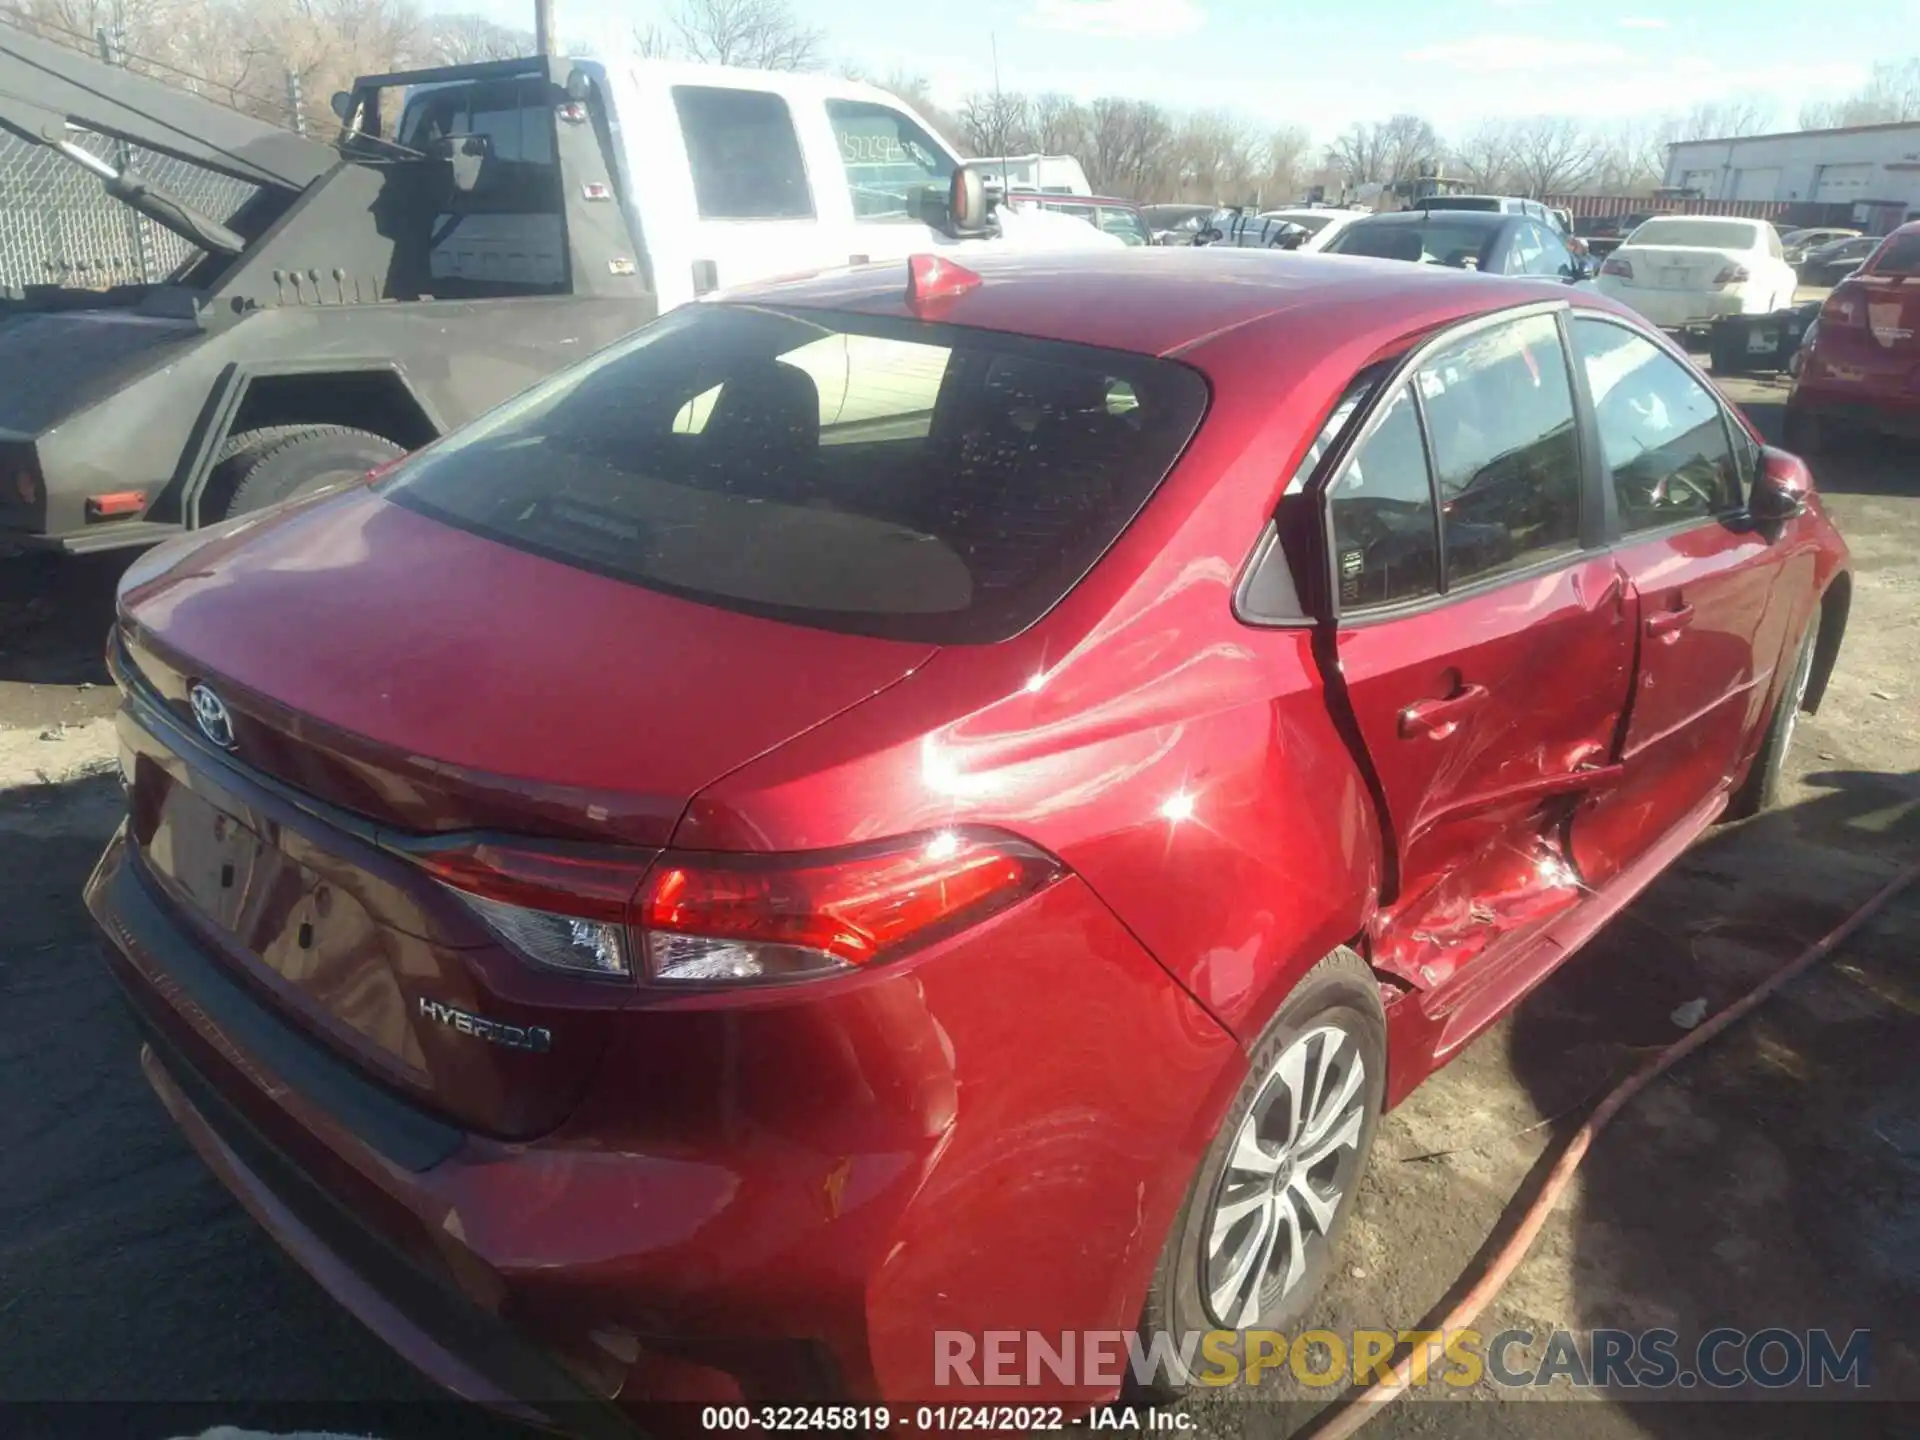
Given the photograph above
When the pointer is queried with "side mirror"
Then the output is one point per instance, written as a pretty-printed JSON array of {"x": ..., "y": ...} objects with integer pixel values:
[
  {"x": 967, "y": 203},
  {"x": 579, "y": 86},
  {"x": 1781, "y": 489},
  {"x": 342, "y": 103}
]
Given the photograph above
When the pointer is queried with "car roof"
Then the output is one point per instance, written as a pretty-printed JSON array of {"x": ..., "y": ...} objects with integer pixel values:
[
  {"x": 1487, "y": 219},
  {"x": 1162, "y": 300}
]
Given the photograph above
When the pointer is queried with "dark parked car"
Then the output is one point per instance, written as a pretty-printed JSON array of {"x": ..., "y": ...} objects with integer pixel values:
[
  {"x": 1833, "y": 262},
  {"x": 1604, "y": 233},
  {"x": 1491, "y": 242},
  {"x": 872, "y": 806}
]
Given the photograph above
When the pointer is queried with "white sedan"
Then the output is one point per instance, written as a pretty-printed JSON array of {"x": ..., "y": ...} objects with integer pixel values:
[
  {"x": 1320, "y": 224},
  {"x": 1682, "y": 271}
]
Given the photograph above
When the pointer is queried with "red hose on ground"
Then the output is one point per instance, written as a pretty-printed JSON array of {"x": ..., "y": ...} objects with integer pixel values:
[{"x": 1354, "y": 1409}]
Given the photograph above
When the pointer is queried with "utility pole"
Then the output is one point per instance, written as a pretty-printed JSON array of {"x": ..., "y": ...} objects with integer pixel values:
[{"x": 543, "y": 27}]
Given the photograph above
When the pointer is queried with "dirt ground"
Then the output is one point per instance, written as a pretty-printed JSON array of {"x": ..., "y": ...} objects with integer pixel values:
[{"x": 1773, "y": 1181}]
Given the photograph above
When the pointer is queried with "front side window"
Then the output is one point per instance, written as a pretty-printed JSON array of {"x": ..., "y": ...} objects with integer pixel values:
[
  {"x": 1385, "y": 549},
  {"x": 744, "y": 154},
  {"x": 1506, "y": 454},
  {"x": 1663, "y": 438},
  {"x": 888, "y": 159},
  {"x": 873, "y": 476}
]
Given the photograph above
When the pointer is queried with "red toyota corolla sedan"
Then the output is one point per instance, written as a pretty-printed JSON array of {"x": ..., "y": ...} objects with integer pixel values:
[{"x": 918, "y": 802}]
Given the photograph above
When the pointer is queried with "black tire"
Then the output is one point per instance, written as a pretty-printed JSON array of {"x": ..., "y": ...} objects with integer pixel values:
[
  {"x": 258, "y": 468},
  {"x": 1761, "y": 789},
  {"x": 1339, "y": 993}
]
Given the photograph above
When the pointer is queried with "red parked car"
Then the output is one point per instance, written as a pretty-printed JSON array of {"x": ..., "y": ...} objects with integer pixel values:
[
  {"x": 1859, "y": 367},
  {"x": 872, "y": 808}
]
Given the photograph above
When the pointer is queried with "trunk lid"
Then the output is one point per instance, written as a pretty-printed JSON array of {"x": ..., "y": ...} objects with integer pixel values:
[
  {"x": 1676, "y": 267},
  {"x": 419, "y": 680},
  {"x": 435, "y": 681}
]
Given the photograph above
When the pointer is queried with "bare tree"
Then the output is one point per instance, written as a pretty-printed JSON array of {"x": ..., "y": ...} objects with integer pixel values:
[
  {"x": 1485, "y": 155},
  {"x": 758, "y": 34},
  {"x": 1394, "y": 149},
  {"x": 1285, "y": 158},
  {"x": 1358, "y": 153},
  {"x": 1058, "y": 124},
  {"x": 1890, "y": 96},
  {"x": 1552, "y": 154},
  {"x": 465, "y": 39},
  {"x": 994, "y": 122},
  {"x": 1726, "y": 119},
  {"x": 1127, "y": 148},
  {"x": 651, "y": 41},
  {"x": 1631, "y": 157}
]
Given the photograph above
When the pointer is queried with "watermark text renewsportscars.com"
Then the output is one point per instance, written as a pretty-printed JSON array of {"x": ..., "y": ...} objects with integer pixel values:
[{"x": 1721, "y": 1359}]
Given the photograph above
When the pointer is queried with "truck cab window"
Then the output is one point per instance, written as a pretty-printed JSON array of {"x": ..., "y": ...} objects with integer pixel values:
[
  {"x": 744, "y": 154},
  {"x": 886, "y": 157}
]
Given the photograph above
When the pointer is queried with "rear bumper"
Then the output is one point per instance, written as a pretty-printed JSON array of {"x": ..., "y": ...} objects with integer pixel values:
[
  {"x": 1680, "y": 309},
  {"x": 843, "y": 1207}
]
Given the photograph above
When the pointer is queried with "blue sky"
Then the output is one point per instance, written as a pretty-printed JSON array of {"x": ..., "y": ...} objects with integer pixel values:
[{"x": 1323, "y": 65}]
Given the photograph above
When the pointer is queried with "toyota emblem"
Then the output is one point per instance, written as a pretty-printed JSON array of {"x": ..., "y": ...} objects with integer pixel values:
[{"x": 210, "y": 713}]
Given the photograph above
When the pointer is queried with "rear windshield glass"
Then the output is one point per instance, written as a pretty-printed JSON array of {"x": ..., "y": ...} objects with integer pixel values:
[
  {"x": 883, "y": 477},
  {"x": 1902, "y": 257},
  {"x": 1481, "y": 203},
  {"x": 1704, "y": 234},
  {"x": 1436, "y": 241}
]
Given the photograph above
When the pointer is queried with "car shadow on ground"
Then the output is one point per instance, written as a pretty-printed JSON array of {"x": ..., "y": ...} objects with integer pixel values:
[
  {"x": 128, "y": 1276},
  {"x": 1859, "y": 464},
  {"x": 1768, "y": 1180},
  {"x": 55, "y": 612}
]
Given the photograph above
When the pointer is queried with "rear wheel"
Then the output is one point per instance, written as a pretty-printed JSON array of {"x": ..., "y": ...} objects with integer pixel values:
[
  {"x": 258, "y": 468},
  {"x": 1252, "y": 1246}
]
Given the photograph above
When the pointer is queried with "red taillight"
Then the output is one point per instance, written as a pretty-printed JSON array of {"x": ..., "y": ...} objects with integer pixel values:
[
  {"x": 566, "y": 909},
  {"x": 1732, "y": 275},
  {"x": 1617, "y": 265},
  {"x": 708, "y": 918},
  {"x": 715, "y": 919},
  {"x": 1844, "y": 310}
]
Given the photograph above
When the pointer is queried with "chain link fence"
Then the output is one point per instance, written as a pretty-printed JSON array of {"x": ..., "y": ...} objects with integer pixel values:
[{"x": 58, "y": 227}]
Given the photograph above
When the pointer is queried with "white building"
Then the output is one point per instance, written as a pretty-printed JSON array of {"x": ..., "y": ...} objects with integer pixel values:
[{"x": 1873, "y": 169}]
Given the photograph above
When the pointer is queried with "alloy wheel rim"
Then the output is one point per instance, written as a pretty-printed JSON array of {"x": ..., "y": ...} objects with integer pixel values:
[
  {"x": 1294, "y": 1156},
  {"x": 1796, "y": 695}
]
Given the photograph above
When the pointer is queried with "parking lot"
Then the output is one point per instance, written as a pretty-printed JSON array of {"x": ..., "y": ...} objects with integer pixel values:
[{"x": 1775, "y": 1181}]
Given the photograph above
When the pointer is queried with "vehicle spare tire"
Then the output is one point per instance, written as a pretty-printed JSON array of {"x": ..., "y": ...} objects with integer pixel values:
[{"x": 258, "y": 468}]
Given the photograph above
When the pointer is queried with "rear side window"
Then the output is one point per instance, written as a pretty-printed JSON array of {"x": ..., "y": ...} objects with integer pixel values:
[
  {"x": 876, "y": 476},
  {"x": 1662, "y": 435},
  {"x": 1385, "y": 548},
  {"x": 887, "y": 157},
  {"x": 744, "y": 154},
  {"x": 1506, "y": 457},
  {"x": 1901, "y": 257}
]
